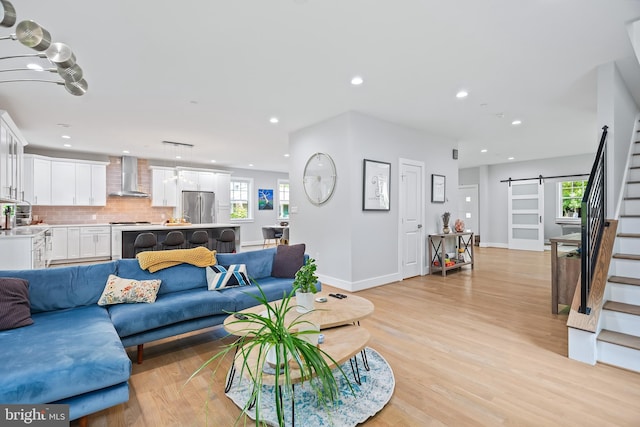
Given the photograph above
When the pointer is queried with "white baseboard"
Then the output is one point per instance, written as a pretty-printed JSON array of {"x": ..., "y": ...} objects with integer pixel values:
[
  {"x": 494, "y": 245},
  {"x": 359, "y": 285}
]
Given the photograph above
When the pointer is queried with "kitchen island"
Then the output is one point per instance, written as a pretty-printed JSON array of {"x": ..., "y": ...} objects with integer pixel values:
[{"x": 123, "y": 236}]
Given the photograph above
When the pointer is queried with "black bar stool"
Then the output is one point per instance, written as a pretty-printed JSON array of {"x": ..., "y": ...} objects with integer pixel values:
[
  {"x": 144, "y": 242},
  {"x": 174, "y": 240},
  {"x": 226, "y": 243},
  {"x": 199, "y": 238}
]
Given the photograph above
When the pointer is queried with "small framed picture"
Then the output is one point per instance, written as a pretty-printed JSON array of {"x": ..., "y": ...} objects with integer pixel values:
[
  {"x": 375, "y": 186},
  {"x": 438, "y": 188}
]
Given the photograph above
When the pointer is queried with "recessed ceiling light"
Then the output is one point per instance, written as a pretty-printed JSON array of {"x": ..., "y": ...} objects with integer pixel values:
[
  {"x": 511, "y": 158},
  {"x": 357, "y": 80},
  {"x": 287, "y": 155},
  {"x": 516, "y": 122},
  {"x": 125, "y": 151},
  {"x": 462, "y": 94},
  {"x": 250, "y": 164},
  {"x": 484, "y": 150},
  {"x": 213, "y": 161},
  {"x": 178, "y": 157},
  {"x": 36, "y": 67},
  {"x": 274, "y": 120},
  {"x": 66, "y": 145},
  {"x": 66, "y": 137}
]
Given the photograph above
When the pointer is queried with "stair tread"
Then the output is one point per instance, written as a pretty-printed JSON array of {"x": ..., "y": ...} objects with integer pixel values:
[
  {"x": 622, "y": 307},
  {"x": 625, "y": 280},
  {"x": 634, "y": 235},
  {"x": 627, "y": 256},
  {"x": 619, "y": 338}
]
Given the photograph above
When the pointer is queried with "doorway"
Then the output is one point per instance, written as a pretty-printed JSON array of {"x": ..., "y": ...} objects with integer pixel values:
[
  {"x": 468, "y": 207},
  {"x": 411, "y": 204}
]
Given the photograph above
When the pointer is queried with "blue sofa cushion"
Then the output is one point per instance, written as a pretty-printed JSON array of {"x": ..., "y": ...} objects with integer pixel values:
[
  {"x": 168, "y": 309},
  {"x": 64, "y": 353},
  {"x": 65, "y": 287},
  {"x": 244, "y": 297},
  {"x": 181, "y": 277},
  {"x": 15, "y": 311},
  {"x": 259, "y": 263}
]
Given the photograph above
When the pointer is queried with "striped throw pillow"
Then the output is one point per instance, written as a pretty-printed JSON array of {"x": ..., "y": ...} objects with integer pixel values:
[{"x": 221, "y": 276}]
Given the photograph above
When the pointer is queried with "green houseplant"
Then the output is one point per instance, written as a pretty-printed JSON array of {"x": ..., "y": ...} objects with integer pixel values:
[
  {"x": 305, "y": 284},
  {"x": 268, "y": 332}
]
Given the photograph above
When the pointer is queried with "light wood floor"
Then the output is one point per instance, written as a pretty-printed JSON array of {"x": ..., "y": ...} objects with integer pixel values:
[{"x": 477, "y": 348}]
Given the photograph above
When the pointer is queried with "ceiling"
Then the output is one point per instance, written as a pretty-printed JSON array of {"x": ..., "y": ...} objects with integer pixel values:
[{"x": 212, "y": 73}]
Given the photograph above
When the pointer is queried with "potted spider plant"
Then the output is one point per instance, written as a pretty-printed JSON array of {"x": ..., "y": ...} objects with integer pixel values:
[
  {"x": 268, "y": 338},
  {"x": 305, "y": 284}
]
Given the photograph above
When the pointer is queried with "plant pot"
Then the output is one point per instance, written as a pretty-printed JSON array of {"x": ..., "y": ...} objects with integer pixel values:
[
  {"x": 270, "y": 358},
  {"x": 304, "y": 301},
  {"x": 446, "y": 229}
]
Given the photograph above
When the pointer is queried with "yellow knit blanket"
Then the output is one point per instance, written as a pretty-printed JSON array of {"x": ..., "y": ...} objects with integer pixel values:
[{"x": 157, "y": 260}]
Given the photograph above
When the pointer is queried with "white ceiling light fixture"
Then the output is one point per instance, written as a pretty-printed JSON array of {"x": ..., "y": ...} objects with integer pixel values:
[
  {"x": 66, "y": 145},
  {"x": 462, "y": 94},
  {"x": 250, "y": 165},
  {"x": 357, "y": 80},
  {"x": 516, "y": 122},
  {"x": 274, "y": 120},
  {"x": 66, "y": 137},
  {"x": 213, "y": 160},
  {"x": 287, "y": 155},
  {"x": 125, "y": 151},
  {"x": 510, "y": 158},
  {"x": 484, "y": 150}
]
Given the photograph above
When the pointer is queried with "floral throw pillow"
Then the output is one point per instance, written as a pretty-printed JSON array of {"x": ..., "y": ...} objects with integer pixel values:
[{"x": 119, "y": 290}]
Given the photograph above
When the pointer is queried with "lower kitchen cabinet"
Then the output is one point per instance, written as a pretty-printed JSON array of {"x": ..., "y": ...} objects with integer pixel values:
[
  {"x": 23, "y": 252},
  {"x": 80, "y": 242}
]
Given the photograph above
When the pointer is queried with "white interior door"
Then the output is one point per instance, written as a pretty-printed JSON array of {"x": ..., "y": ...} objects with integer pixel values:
[
  {"x": 411, "y": 214},
  {"x": 468, "y": 207},
  {"x": 526, "y": 209}
]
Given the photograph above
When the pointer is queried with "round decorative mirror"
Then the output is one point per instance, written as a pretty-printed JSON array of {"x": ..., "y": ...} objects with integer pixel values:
[{"x": 319, "y": 178}]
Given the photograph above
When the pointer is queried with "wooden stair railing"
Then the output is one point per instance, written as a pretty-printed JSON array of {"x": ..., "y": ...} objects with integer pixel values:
[{"x": 589, "y": 322}]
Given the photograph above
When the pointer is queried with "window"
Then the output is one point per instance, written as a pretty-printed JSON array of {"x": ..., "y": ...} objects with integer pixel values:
[
  {"x": 570, "y": 198},
  {"x": 283, "y": 199},
  {"x": 240, "y": 189}
]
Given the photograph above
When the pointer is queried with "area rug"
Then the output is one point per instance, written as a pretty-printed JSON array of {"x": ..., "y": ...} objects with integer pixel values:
[{"x": 375, "y": 390}]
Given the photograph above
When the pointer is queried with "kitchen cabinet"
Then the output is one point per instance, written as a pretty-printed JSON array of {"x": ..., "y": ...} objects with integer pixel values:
[
  {"x": 73, "y": 242},
  {"x": 164, "y": 187},
  {"x": 37, "y": 180},
  {"x": 78, "y": 183},
  {"x": 23, "y": 252},
  {"x": 63, "y": 183},
  {"x": 95, "y": 242},
  {"x": 91, "y": 184},
  {"x": 194, "y": 180},
  {"x": 11, "y": 159},
  {"x": 223, "y": 202},
  {"x": 80, "y": 242}
]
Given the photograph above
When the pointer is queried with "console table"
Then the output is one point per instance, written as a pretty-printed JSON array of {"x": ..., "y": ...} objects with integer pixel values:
[{"x": 438, "y": 249}]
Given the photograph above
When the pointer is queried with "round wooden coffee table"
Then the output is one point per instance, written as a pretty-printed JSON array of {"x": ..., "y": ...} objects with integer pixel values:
[{"x": 334, "y": 312}]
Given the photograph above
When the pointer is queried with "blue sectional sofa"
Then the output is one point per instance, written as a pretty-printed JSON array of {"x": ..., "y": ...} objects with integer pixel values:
[{"x": 74, "y": 352}]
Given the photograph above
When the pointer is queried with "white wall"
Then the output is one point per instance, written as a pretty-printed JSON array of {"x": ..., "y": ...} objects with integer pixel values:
[
  {"x": 251, "y": 231},
  {"x": 618, "y": 110},
  {"x": 493, "y": 193},
  {"x": 357, "y": 249}
]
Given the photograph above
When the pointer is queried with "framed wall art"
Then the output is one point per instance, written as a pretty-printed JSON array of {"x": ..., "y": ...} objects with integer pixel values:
[
  {"x": 265, "y": 199},
  {"x": 375, "y": 186},
  {"x": 438, "y": 188}
]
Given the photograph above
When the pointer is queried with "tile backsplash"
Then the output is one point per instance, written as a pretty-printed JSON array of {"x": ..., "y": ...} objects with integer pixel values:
[{"x": 117, "y": 208}]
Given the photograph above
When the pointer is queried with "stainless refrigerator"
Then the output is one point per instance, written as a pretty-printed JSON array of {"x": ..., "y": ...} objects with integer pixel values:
[{"x": 198, "y": 207}]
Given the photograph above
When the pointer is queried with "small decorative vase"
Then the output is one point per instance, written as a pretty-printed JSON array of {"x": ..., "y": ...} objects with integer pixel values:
[
  {"x": 271, "y": 357},
  {"x": 446, "y": 229},
  {"x": 304, "y": 301}
]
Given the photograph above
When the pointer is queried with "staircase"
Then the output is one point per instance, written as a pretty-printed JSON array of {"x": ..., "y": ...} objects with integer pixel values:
[{"x": 618, "y": 342}]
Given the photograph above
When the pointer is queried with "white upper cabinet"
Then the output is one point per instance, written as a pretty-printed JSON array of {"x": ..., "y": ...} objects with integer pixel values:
[
  {"x": 11, "y": 159},
  {"x": 72, "y": 183},
  {"x": 164, "y": 188},
  {"x": 192, "y": 180},
  {"x": 37, "y": 180}
]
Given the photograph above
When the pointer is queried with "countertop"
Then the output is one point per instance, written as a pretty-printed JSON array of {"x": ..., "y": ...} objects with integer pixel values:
[
  {"x": 156, "y": 227},
  {"x": 23, "y": 232}
]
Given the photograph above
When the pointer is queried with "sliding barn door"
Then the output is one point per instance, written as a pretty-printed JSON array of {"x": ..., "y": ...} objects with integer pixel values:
[{"x": 526, "y": 208}]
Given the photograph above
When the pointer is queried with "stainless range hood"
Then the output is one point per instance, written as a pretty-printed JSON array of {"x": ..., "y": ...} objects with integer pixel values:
[{"x": 129, "y": 179}]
